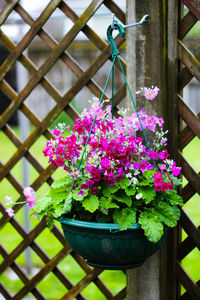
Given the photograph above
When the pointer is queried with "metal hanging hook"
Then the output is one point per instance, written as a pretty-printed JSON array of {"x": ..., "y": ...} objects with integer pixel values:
[{"x": 145, "y": 18}]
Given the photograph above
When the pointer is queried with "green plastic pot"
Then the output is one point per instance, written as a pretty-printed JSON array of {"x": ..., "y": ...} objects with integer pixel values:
[{"x": 104, "y": 246}]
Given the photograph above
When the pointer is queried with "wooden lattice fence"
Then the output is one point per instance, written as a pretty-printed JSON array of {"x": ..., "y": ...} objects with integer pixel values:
[
  {"x": 189, "y": 68},
  {"x": 40, "y": 128}
]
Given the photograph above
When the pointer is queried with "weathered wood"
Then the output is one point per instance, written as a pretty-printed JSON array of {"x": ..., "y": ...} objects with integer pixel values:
[
  {"x": 189, "y": 117},
  {"x": 28, "y": 37},
  {"x": 41, "y": 274},
  {"x": 190, "y": 174},
  {"x": 188, "y": 283},
  {"x": 186, "y": 136},
  {"x": 189, "y": 60},
  {"x": 7, "y": 10},
  {"x": 82, "y": 284},
  {"x": 186, "y": 295},
  {"x": 190, "y": 228},
  {"x": 186, "y": 247},
  {"x": 186, "y": 24},
  {"x": 4, "y": 292},
  {"x": 194, "y": 6},
  {"x": 17, "y": 269}
]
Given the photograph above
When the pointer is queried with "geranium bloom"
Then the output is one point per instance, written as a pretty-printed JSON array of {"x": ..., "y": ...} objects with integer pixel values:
[
  {"x": 10, "y": 212},
  {"x": 29, "y": 193}
]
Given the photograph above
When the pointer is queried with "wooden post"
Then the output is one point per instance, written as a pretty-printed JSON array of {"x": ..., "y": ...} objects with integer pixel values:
[{"x": 154, "y": 62}]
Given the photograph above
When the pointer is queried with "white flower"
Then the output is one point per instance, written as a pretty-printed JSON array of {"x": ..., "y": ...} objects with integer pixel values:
[
  {"x": 134, "y": 180},
  {"x": 129, "y": 175},
  {"x": 136, "y": 172},
  {"x": 138, "y": 196}
]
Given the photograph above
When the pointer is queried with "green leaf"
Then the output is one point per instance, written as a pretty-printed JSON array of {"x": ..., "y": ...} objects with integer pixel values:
[
  {"x": 174, "y": 198},
  {"x": 131, "y": 190},
  {"x": 58, "y": 195},
  {"x": 67, "y": 204},
  {"x": 165, "y": 213},
  {"x": 149, "y": 174},
  {"x": 176, "y": 212},
  {"x": 153, "y": 228},
  {"x": 108, "y": 190},
  {"x": 148, "y": 194},
  {"x": 63, "y": 182},
  {"x": 123, "y": 183},
  {"x": 58, "y": 211},
  {"x": 123, "y": 198},
  {"x": 176, "y": 181},
  {"x": 43, "y": 203},
  {"x": 50, "y": 220},
  {"x": 77, "y": 196},
  {"x": 125, "y": 218},
  {"x": 91, "y": 203}
]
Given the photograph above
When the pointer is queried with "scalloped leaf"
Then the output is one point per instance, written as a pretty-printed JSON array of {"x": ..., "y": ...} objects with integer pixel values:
[
  {"x": 91, "y": 203},
  {"x": 108, "y": 190},
  {"x": 123, "y": 183},
  {"x": 43, "y": 204},
  {"x": 148, "y": 194},
  {"x": 125, "y": 218},
  {"x": 153, "y": 228},
  {"x": 123, "y": 198},
  {"x": 131, "y": 190},
  {"x": 62, "y": 182},
  {"x": 174, "y": 198},
  {"x": 165, "y": 213}
]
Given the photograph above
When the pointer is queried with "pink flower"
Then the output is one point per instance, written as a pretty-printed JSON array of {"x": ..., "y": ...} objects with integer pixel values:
[
  {"x": 29, "y": 193},
  {"x": 10, "y": 212},
  {"x": 56, "y": 132},
  {"x": 105, "y": 163},
  {"x": 8, "y": 200},
  {"x": 162, "y": 167},
  {"x": 149, "y": 94},
  {"x": 176, "y": 171},
  {"x": 81, "y": 192}
]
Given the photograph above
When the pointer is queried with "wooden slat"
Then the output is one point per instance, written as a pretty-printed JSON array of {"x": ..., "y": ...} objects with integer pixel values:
[
  {"x": 186, "y": 24},
  {"x": 189, "y": 60},
  {"x": 41, "y": 274},
  {"x": 121, "y": 295},
  {"x": 186, "y": 247},
  {"x": 187, "y": 282},
  {"x": 194, "y": 6},
  {"x": 77, "y": 86},
  {"x": 186, "y": 295},
  {"x": 82, "y": 284},
  {"x": 59, "y": 49},
  {"x": 65, "y": 57},
  {"x": 190, "y": 174},
  {"x": 33, "y": 70},
  {"x": 190, "y": 228},
  {"x": 7, "y": 10},
  {"x": 114, "y": 8},
  {"x": 28, "y": 37},
  {"x": 4, "y": 292},
  {"x": 22, "y": 246},
  {"x": 186, "y": 136},
  {"x": 188, "y": 116},
  {"x": 185, "y": 76},
  {"x": 17, "y": 269}
]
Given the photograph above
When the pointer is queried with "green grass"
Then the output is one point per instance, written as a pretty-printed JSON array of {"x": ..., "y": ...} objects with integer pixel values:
[{"x": 50, "y": 286}]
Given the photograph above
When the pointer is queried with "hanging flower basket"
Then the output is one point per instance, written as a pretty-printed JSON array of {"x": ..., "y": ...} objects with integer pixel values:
[
  {"x": 104, "y": 246},
  {"x": 118, "y": 192}
]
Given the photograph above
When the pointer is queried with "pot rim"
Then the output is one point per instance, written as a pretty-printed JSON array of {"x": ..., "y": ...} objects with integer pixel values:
[{"x": 94, "y": 225}]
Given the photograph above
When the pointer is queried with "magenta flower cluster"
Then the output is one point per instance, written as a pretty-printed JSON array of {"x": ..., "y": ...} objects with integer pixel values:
[{"x": 113, "y": 150}]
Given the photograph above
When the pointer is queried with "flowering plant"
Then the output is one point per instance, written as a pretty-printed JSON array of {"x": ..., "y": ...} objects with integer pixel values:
[{"x": 111, "y": 174}]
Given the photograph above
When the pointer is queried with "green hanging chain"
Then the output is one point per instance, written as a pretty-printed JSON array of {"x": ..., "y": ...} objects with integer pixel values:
[{"x": 115, "y": 54}]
